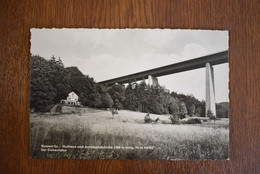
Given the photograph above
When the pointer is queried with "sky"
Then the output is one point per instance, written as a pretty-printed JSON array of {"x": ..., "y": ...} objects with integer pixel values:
[{"x": 108, "y": 53}]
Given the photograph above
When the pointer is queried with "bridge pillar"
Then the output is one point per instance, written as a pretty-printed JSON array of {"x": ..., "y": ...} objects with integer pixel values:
[
  {"x": 210, "y": 90},
  {"x": 152, "y": 81}
]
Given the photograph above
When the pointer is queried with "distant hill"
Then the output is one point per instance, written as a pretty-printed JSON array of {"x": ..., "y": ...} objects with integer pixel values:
[{"x": 222, "y": 109}]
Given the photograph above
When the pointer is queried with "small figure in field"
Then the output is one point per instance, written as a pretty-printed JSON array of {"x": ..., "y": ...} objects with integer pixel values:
[
  {"x": 113, "y": 111},
  {"x": 147, "y": 118}
]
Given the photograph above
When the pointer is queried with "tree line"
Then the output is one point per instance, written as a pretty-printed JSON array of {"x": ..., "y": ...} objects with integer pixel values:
[{"x": 51, "y": 82}]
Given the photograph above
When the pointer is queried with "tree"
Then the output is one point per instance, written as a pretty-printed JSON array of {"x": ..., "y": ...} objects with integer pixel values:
[
  {"x": 155, "y": 100},
  {"x": 42, "y": 95},
  {"x": 183, "y": 110},
  {"x": 92, "y": 99},
  {"x": 152, "y": 99},
  {"x": 42, "y": 91},
  {"x": 191, "y": 110},
  {"x": 210, "y": 115},
  {"x": 203, "y": 108},
  {"x": 198, "y": 111},
  {"x": 97, "y": 100},
  {"x": 141, "y": 94},
  {"x": 83, "y": 98},
  {"x": 189, "y": 101},
  {"x": 174, "y": 119},
  {"x": 60, "y": 63},
  {"x": 107, "y": 101},
  {"x": 53, "y": 59},
  {"x": 130, "y": 101},
  {"x": 117, "y": 93},
  {"x": 174, "y": 108}
]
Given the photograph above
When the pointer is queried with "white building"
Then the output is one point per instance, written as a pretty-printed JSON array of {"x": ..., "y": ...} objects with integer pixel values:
[{"x": 72, "y": 99}]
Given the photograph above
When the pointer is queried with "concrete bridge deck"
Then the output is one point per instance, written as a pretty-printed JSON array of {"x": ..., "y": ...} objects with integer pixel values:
[{"x": 213, "y": 59}]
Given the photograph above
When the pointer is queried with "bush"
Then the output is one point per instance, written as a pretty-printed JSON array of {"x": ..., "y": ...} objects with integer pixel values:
[
  {"x": 193, "y": 121},
  {"x": 163, "y": 122},
  {"x": 174, "y": 119},
  {"x": 210, "y": 115}
]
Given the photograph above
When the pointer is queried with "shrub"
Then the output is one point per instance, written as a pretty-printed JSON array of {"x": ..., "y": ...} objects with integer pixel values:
[
  {"x": 193, "y": 121},
  {"x": 210, "y": 115},
  {"x": 113, "y": 111},
  {"x": 174, "y": 119},
  {"x": 163, "y": 122}
]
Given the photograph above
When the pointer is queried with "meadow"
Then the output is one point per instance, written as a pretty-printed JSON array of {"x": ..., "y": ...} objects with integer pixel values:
[{"x": 126, "y": 136}]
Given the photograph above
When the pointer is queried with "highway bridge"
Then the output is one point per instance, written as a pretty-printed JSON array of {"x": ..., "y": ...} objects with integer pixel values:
[{"x": 205, "y": 61}]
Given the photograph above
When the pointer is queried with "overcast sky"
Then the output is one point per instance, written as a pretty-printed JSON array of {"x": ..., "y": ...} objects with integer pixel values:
[{"x": 105, "y": 54}]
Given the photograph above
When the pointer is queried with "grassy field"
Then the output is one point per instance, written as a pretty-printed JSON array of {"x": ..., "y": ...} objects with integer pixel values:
[{"x": 126, "y": 136}]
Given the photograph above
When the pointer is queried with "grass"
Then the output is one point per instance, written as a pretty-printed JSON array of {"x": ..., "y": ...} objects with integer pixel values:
[{"x": 127, "y": 129}]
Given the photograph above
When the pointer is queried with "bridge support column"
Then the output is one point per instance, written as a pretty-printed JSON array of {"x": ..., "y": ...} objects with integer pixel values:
[
  {"x": 210, "y": 90},
  {"x": 152, "y": 81}
]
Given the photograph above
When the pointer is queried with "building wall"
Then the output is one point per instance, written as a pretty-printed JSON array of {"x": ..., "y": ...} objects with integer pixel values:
[{"x": 72, "y": 96}]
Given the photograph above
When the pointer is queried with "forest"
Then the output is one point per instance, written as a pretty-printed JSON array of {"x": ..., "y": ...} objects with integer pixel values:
[{"x": 51, "y": 82}]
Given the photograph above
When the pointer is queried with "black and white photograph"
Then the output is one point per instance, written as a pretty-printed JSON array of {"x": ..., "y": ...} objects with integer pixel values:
[{"x": 129, "y": 94}]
